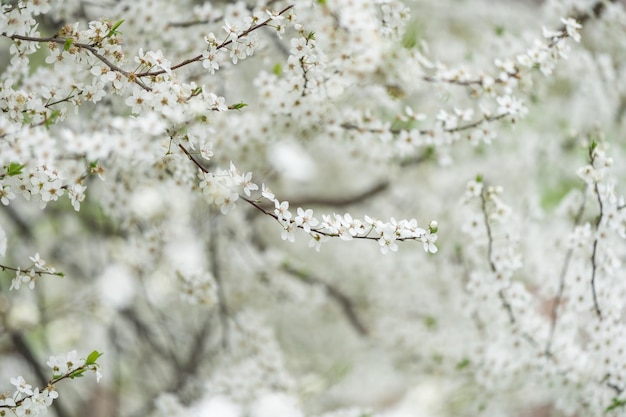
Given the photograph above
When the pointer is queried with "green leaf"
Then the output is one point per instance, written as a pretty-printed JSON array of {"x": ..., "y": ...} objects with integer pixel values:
[
  {"x": 464, "y": 363},
  {"x": 92, "y": 358},
  {"x": 322, "y": 2},
  {"x": 278, "y": 69},
  {"x": 79, "y": 373},
  {"x": 68, "y": 44},
  {"x": 412, "y": 35},
  {"x": 14, "y": 169},
  {"x": 113, "y": 30},
  {"x": 53, "y": 116},
  {"x": 617, "y": 403},
  {"x": 479, "y": 178},
  {"x": 238, "y": 106}
]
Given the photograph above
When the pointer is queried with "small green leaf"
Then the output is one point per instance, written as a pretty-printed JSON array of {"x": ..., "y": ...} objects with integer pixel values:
[
  {"x": 14, "y": 169},
  {"x": 322, "y": 2},
  {"x": 479, "y": 178},
  {"x": 92, "y": 358},
  {"x": 68, "y": 44},
  {"x": 113, "y": 30},
  {"x": 60, "y": 274},
  {"x": 311, "y": 36},
  {"x": 79, "y": 373},
  {"x": 498, "y": 30},
  {"x": 53, "y": 116},
  {"x": 278, "y": 69},
  {"x": 617, "y": 403},
  {"x": 238, "y": 106},
  {"x": 464, "y": 363}
]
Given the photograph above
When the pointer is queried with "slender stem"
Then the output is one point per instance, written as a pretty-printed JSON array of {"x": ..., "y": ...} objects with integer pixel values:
[
  {"x": 220, "y": 46},
  {"x": 594, "y": 252},
  {"x": 564, "y": 269},
  {"x": 267, "y": 212}
]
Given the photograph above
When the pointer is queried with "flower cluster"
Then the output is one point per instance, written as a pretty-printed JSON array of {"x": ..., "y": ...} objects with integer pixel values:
[
  {"x": 29, "y": 275},
  {"x": 496, "y": 92},
  {"x": 222, "y": 188},
  {"x": 33, "y": 401}
]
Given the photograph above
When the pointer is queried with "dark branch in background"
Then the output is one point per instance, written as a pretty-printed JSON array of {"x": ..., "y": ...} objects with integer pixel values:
[
  {"x": 22, "y": 347},
  {"x": 335, "y": 294},
  {"x": 596, "y": 12},
  {"x": 195, "y": 357},
  {"x": 564, "y": 269},
  {"x": 144, "y": 333},
  {"x": 340, "y": 201},
  {"x": 23, "y": 228},
  {"x": 217, "y": 275}
]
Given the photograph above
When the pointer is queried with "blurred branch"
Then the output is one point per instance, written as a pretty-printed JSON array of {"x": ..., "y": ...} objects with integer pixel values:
[
  {"x": 340, "y": 201},
  {"x": 559, "y": 296},
  {"x": 344, "y": 302},
  {"x": 22, "y": 347},
  {"x": 145, "y": 334},
  {"x": 23, "y": 227},
  {"x": 217, "y": 275}
]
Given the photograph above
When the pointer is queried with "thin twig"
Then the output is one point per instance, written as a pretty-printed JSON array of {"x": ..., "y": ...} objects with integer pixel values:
[
  {"x": 256, "y": 204},
  {"x": 594, "y": 252},
  {"x": 220, "y": 46},
  {"x": 563, "y": 274}
]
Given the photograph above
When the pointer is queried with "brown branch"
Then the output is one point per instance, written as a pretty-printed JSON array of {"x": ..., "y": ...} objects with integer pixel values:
[
  {"x": 92, "y": 49},
  {"x": 134, "y": 77},
  {"x": 256, "y": 204},
  {"x": 428, "y": 132},
  {"x": 220, "y": 46}
]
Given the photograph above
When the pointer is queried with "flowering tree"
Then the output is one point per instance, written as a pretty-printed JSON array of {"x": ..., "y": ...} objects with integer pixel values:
[{"x": 178, "y": 179}]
